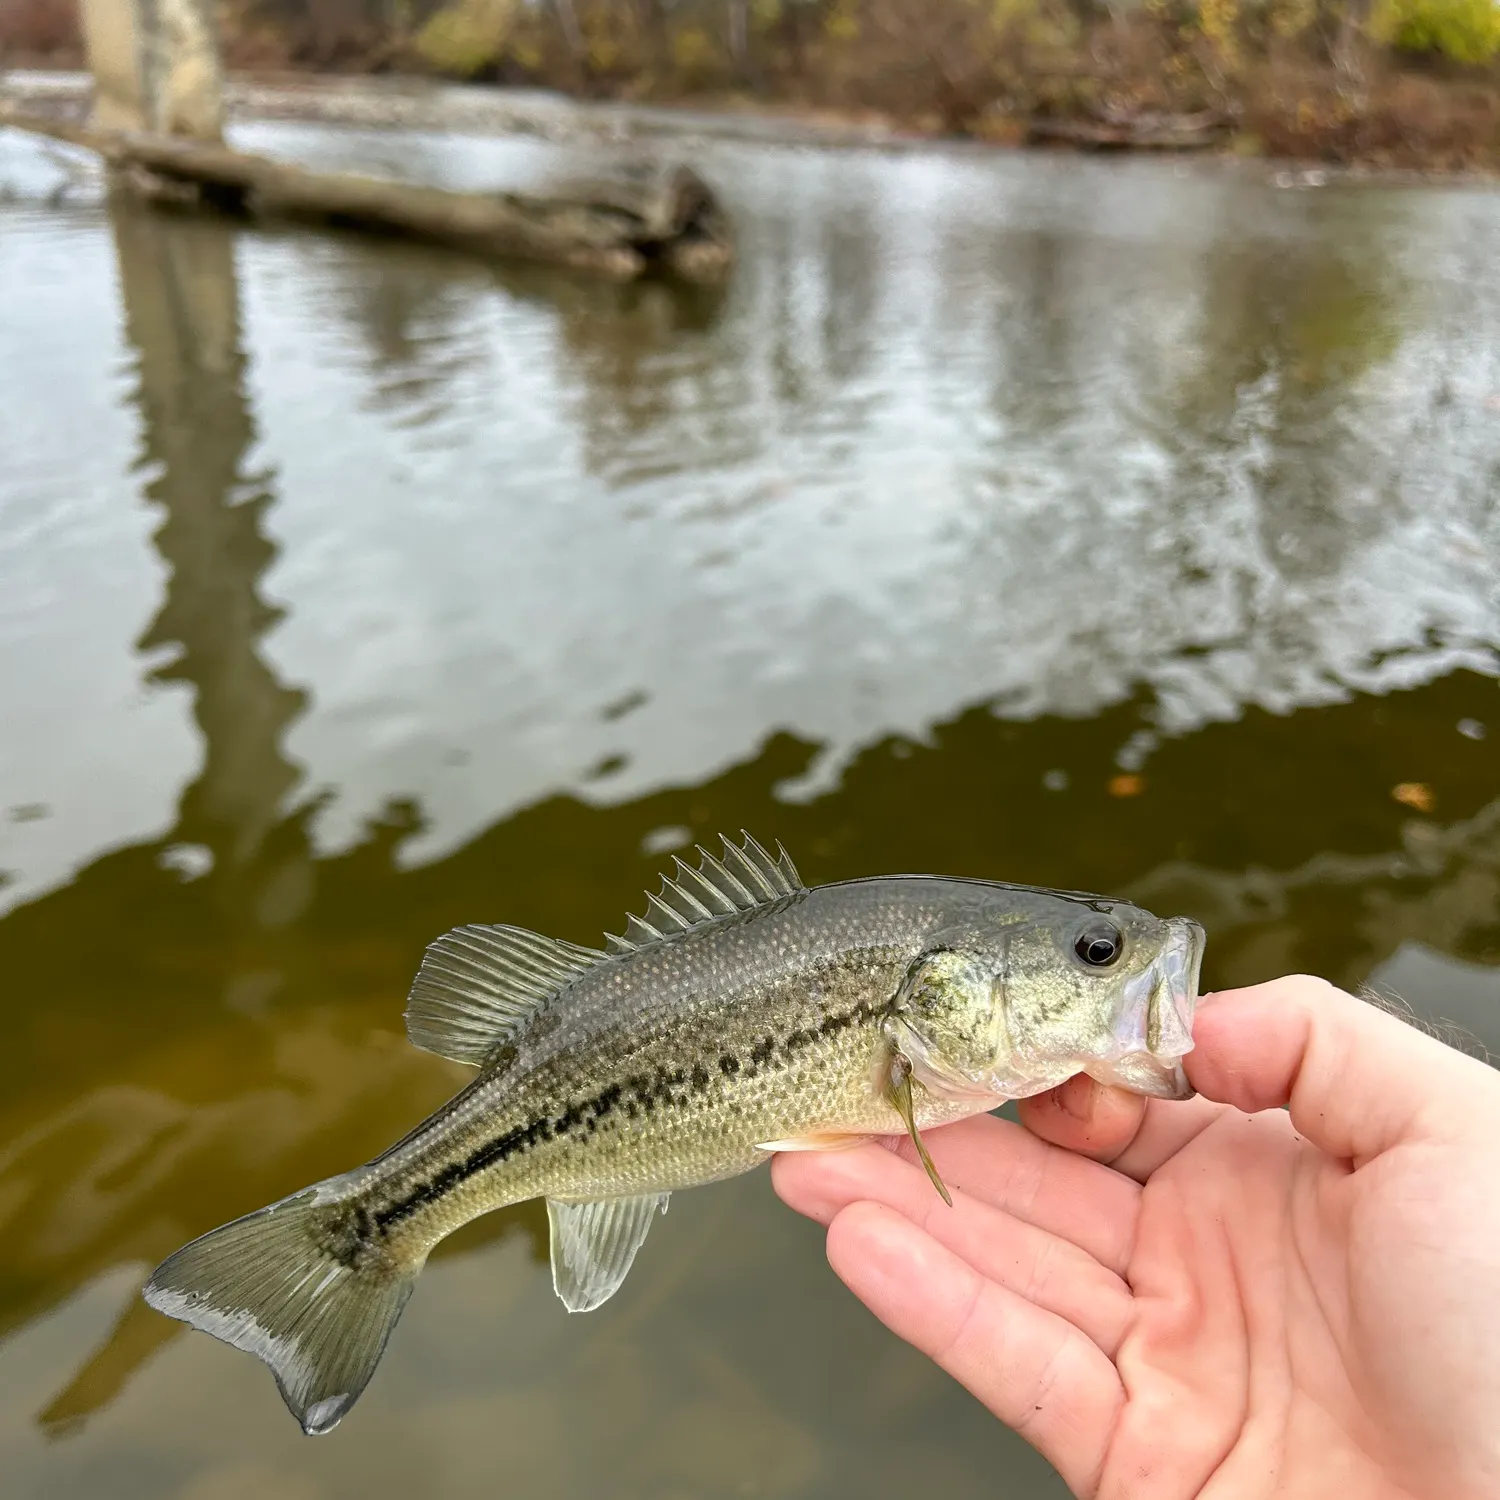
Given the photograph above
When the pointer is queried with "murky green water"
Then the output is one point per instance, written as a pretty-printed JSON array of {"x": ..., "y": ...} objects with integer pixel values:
[{"x": 349, "y": 591}]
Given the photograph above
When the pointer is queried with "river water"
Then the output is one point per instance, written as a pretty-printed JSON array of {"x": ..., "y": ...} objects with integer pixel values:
[{"x": 1129, "y": 526}]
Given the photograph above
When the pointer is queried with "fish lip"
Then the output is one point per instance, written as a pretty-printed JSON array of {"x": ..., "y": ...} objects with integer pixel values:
[
  {"x": 1197, "y": 941},
  {"x": 1183, "y": 976},
  {"x": 1182, "y": 964},
  {"x": 1155, "y": 1016}
]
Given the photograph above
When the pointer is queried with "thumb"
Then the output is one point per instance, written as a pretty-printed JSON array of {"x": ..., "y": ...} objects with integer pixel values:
[{"x": 1356, "y": 1079}]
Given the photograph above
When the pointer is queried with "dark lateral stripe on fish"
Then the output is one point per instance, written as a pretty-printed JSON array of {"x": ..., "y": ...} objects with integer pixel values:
[
  {"x": 637, "y": 1093},
  {"x": 502, "y": 1148}
]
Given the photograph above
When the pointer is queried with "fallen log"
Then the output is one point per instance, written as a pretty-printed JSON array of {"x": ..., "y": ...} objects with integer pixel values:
[
  {"x": 648, "y": 217},
  {"x": 1153, "y": 132}
]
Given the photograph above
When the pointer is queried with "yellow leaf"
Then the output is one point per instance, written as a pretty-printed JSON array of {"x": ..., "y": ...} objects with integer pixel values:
[{"x": 1415, "y": 794}]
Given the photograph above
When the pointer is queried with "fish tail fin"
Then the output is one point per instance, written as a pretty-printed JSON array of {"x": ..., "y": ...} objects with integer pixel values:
[{"x": 305, "y": 1285}]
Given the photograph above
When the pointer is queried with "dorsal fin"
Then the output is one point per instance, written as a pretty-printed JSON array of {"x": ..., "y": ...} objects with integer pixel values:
[
  {"x": 477, "y": 985},
  {"x": 743, "y": 878}
]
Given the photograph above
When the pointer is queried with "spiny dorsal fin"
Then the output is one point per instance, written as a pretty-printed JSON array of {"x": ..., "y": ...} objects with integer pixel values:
[
  {"x": 744, "y": 878},
  {"x": 477, "y": 985}
]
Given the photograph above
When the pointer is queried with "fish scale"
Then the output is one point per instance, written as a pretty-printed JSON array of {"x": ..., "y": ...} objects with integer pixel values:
[
  {"x": 746, "y": 1030},
  {"x": 742, "y": 1013}
]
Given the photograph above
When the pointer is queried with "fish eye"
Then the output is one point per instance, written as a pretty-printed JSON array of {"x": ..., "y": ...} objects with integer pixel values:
[{"x": 1099, "y": 944}]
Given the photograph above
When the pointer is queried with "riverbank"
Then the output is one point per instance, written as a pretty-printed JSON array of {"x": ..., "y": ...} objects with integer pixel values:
[
  {"x": 386, "y": 101},
  {"x": 1411, "y": 84},
  {"x": 414, "y": 103}
]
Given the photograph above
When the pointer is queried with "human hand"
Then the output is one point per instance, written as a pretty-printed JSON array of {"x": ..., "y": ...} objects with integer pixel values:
[{"x": 1229, "y": 1300}]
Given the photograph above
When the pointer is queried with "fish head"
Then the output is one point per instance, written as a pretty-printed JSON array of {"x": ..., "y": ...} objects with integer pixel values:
[{"x": 1009, "y": 1008}]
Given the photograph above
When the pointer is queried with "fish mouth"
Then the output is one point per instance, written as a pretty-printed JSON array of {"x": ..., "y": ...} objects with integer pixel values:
[
  {"x": 1172, "y": 1014},
  {"x": 1153, "y": 1029}
]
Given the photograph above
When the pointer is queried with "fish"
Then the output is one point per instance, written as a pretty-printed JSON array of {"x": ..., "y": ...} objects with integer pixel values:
[{"x": 741, "y": 1014}]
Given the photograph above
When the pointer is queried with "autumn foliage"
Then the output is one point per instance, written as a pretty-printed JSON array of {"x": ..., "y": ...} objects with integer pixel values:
[{"x": 1412, "y": 82}]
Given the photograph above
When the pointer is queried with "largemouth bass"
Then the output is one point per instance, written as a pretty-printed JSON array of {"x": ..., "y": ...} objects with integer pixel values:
[{"x": 742, "y": 1014}]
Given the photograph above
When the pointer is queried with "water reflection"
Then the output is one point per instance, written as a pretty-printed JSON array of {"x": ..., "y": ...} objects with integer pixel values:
[
  {"x": 1270, "y": 404},
  {"x": 182, "y": 316},
  {"x": 477, "y": 592},
  {"x": 413, "y": 312},
  {"x": 114, "y": 1140},
  {"x": 218, "y": 1114}
]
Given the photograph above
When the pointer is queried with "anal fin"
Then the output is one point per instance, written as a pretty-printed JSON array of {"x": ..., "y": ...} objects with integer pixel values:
[{"x": 594, "y": 1245}]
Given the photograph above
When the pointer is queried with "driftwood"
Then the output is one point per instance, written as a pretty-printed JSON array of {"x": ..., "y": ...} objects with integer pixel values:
[
  {"x": 649, "y": 217},
  {"x": 1145, "y": 132}
]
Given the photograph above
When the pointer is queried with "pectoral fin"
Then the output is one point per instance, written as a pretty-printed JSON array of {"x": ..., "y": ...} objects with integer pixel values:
[
  {"x": 898, "y": 1091},
  {"x": 594, "y": 1244}
]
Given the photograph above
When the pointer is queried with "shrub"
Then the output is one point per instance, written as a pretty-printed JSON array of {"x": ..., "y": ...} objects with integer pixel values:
[
  {"x": 466, "y": 38},
  {"x": 1468, "y": 31}
]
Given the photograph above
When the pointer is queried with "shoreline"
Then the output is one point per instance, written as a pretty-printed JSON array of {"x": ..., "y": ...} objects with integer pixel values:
[{"x": 416, "y": 103}]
